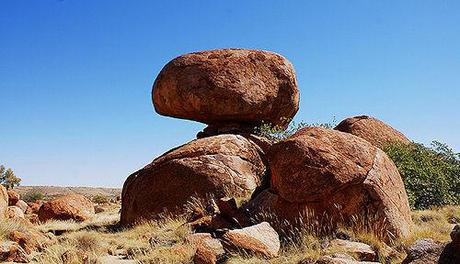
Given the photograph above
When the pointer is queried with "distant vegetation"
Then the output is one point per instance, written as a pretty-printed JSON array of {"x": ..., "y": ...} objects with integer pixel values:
[
  {"x": 101, "y": 199},
  {"x": 431, "y": 174},
  {"x": 8, "y": 178},
  {"x": 33, "y": 196}
]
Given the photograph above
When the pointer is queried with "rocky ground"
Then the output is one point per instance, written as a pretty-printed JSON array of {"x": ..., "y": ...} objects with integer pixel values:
[{"x": 99, "y": 239}]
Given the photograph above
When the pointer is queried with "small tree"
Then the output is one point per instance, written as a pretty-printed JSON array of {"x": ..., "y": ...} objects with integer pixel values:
[{"x": 7, "y": 178}]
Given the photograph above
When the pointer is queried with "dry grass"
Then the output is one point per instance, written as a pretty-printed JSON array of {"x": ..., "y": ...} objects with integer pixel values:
[
  {"x": 150, "y": 242},
  {"x": 163, "y": 241},
  {"x": 436, "y": 223}
]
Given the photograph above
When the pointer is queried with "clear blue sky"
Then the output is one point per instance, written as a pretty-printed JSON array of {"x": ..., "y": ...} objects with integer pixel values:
[{"x": 76, "y": 75}]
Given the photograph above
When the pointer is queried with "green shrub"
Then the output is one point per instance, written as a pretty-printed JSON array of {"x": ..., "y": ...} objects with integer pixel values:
[
  {"x": 277, "y": 133},
  {"x": 100, "y": 199},
  {"x": 32, "y": 196},
  {"x": 431, "y": 174}
]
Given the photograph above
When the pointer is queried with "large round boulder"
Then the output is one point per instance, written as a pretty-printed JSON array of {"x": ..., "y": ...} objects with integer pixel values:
[
  {"x": 69, "y": 207},
  {"x": 218, "y": 165},
  {"x": 228, "y": 85},
  {"x": 371, "y": 129},
  {"x": 338, "y": 177}
]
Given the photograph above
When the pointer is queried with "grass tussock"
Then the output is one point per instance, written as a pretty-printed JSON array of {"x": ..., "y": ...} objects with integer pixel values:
[{"x": 9, "y": 225}]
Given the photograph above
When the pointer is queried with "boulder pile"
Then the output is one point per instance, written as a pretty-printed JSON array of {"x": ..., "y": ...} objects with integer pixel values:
[
  {"x": 232, "y": 91},
  {"x": 338, "y": 174}
]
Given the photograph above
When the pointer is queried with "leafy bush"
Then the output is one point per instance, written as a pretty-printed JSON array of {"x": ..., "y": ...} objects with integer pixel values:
[
  {"x": 277, "y": 133},
  {"x": 100, "y": 199},
  {"x": 431, "y": 174},
  {"x": 8, "y": 178},
  {"x": 33, "y": 196}
]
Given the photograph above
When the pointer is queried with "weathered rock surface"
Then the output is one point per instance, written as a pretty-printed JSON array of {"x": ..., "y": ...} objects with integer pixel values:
[
  {"x": 208, "y": 249},
  {"x": 228, "y": 85},
  {"x": 219, "y": 165},
  {"x": 14, "y": 212},
  {"x": 260, "y": 239},
  {"x": 371, "y": 129},
  {"x": 72, "y": 206},
  {"x": 337, "y": 175},
  {"x": 13, "y": 197},
  {"x": 3, "y": 201}
]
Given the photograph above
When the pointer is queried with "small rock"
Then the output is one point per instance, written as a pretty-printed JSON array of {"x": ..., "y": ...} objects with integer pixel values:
[
  {"x": 13, "y": 197},
  {"x": 24, "y": 241},
  {"x": 229, "y": 210},
  {"x": 13, "y": 212},
  {"x": 421, "y": 248},
  {"x": 208, "y": 249},
  {"x": 72, "y": 206},
  {"x": 361, "y": 250},
  {"x": 11, "y": 251},
  {"x": 260, "y": 239},
  {"x": 98, "y": 209},
  {"x": 23, "y": 205}
]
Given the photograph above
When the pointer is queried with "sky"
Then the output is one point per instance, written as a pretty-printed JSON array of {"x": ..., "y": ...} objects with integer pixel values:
[{"x": 76, "y": 75}]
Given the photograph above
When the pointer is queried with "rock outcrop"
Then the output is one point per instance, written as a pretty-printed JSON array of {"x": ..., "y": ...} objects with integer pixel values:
[
  {"x": 3, "y": 201},
  {"x": 73, "y": 206},
  {"x": 218, "y": 165},
  {"x": 371, "y": 129},
  {"x": 338, "y": 176},
  {"x": 228, "y": 85}
]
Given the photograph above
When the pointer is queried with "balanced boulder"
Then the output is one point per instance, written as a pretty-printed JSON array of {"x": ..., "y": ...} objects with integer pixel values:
[
  {"x": 336, "y": 176},
  {"x": 228, "y": 85},
  {"x": 219, "y": 165},
  {"x": 371, "y": 129},
  {"x": 69, "y": 207}
]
